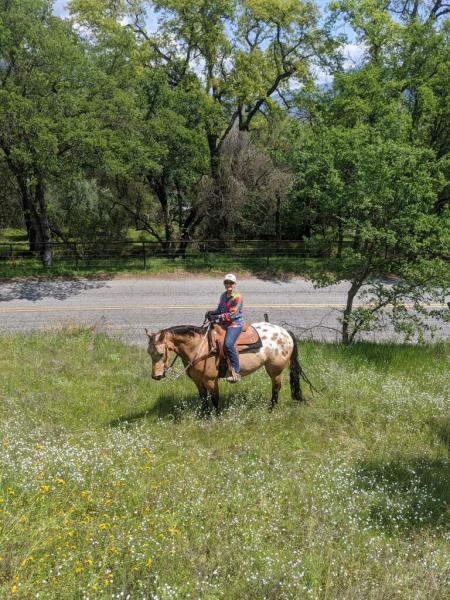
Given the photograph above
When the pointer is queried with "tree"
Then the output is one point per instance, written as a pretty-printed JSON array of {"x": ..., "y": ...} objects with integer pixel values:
[
  {"x": 44, "y": 116},
  {"x": 243, "y": 55},
  {"x": 251, "y": 187},
  {"x": 373, "y": 186}
]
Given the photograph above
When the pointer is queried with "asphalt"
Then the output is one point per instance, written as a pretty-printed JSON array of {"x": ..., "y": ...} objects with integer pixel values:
[{"x": 123, "y": 307}]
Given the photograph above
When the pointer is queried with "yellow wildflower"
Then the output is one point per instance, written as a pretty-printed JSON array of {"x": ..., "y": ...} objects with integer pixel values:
[
  {"x": 45, "y": 488},
  {"x": 61, "y": 481}
]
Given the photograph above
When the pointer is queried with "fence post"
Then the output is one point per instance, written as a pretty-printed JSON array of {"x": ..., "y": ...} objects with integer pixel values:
[
  {"x": 11, "y": 256},
  {"x": 266, "y": 317},
  {"x": 144, "y": 256},
  {"x": 76, "y": 255}
]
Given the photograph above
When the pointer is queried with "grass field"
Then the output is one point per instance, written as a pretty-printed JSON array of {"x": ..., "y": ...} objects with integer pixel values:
[
  {"x": 112, "y": 486},
  {"x": 211, "y": 265}
]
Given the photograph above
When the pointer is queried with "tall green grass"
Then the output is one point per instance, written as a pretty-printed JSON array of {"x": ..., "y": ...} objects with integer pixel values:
[{"x": 113, "y": 486}]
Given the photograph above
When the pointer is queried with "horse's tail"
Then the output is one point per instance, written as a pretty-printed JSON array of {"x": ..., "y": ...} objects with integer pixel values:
[{"x": 296, "y": 373}]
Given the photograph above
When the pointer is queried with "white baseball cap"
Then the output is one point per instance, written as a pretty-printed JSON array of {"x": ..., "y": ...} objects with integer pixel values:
[{"x": 230, "y": 277}]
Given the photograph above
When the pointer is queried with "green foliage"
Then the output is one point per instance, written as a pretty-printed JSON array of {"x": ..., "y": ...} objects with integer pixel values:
[
  {"x": 80, "y": 210},
  {"x": 150, "y": 118},
  {"x": 44, "y": 90},
  {"x": 372, "y": 171}
]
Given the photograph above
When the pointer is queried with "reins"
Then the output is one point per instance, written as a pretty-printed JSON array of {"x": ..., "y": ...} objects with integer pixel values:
[{"x": 194, "y": 360}]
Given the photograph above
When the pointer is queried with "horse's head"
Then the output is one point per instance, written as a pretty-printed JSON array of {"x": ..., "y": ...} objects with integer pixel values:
[{"x": 160, "y": 349}]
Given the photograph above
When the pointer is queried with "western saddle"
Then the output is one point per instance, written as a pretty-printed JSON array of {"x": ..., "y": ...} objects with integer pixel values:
[{"x": 248, "y": 341}]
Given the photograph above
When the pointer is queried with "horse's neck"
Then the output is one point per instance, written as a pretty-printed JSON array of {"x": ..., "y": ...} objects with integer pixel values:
[{"x": 186, "y": 348}]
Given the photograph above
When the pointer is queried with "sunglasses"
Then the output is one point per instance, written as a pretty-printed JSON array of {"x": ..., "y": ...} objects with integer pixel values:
[{"x": 228, "y": 283}]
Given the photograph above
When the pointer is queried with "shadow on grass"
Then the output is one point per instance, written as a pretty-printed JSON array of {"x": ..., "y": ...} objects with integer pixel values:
[
  {"x": 166, "y": 406},
  {"x": 409, "y": 495},
  {"x": 176, "y": 408}
]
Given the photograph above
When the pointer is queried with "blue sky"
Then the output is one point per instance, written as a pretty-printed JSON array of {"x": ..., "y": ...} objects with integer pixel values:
[
  {"x": 60, "y": 10},
  {"x": 352, "y": 51}
]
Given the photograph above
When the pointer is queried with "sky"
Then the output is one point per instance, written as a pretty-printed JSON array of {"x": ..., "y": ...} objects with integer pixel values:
[
  {"x": 60, "y": 10},
  {"x": 353, "y": 51}
]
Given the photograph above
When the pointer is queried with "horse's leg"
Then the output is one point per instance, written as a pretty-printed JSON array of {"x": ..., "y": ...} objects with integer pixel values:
[
  {"x": 213, "y": 390},
  {"x": 276, "y": 375},
  {"x": 203, "y": 393}
]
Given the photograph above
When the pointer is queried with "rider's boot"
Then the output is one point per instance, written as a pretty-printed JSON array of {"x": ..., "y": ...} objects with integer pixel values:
[{"x": 234, "y": 377}]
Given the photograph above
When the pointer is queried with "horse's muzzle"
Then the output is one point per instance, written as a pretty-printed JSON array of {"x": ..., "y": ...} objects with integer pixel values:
[{"x": 158, "y": 377}]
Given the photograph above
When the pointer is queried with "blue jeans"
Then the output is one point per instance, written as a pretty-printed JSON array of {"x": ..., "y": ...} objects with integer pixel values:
[{"x": 230, "y": 338}]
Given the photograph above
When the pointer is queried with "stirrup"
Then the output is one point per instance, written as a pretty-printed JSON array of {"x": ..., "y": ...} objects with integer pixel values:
[{"x": 234, "y": 377}]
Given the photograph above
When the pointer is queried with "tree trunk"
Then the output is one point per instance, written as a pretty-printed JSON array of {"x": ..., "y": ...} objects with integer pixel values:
[
  {"x": 216, "y": 225},
  {"x": 278, "y": 223},
  {"x": 340, "y": 239},
  {"x": 192, "y": 221},
  {"x": 45, "y": 234},
  {"x": 161, "y": 193},
  {"x": 347, "y": 336},
  {"x": 36, "y": 220},
  {"x": 28, "y": 215},
  {"x": 356, "y": 239}
]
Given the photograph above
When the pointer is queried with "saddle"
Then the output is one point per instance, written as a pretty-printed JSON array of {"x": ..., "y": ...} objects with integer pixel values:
[{"x": 248, "y": 341}]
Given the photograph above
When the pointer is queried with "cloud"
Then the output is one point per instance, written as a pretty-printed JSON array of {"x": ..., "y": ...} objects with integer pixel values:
[
  {"x": 60, "y": 8},
  {"x": 353, "y": 55}
]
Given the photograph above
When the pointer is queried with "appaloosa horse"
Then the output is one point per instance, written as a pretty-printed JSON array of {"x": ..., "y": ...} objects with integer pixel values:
[{"x": 201, "y": 363}]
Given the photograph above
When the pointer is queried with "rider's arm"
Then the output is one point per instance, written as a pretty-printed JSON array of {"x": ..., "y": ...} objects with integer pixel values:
[{"x": 215, "y": 314}]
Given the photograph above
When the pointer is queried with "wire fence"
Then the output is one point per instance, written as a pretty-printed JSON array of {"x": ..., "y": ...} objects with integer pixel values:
[{"x": 78, "y": 254}]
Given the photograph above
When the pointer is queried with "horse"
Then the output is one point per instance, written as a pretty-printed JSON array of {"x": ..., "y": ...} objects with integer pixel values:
[{"x": 279, "y": 347}]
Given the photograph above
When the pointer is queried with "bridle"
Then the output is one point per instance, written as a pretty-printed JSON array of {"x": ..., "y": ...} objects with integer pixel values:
[
  {"x": 191, "y": 363},
  {"x": 167, "y": 369}
]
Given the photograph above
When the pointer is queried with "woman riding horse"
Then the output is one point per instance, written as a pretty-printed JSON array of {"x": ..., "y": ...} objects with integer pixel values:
[
  {"x": 229, "y": 314},
  {"x": 201, "y": 363}
]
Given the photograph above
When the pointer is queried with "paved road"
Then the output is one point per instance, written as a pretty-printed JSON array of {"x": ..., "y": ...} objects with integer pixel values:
[{"x": 125, "y": 306}]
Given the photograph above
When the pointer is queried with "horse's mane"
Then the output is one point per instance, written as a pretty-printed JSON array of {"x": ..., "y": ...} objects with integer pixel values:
[{"x": 185, "y": 330}]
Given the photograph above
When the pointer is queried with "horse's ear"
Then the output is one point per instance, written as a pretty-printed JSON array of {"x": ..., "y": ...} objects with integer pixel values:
[{"x": 146, "y": 331}]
